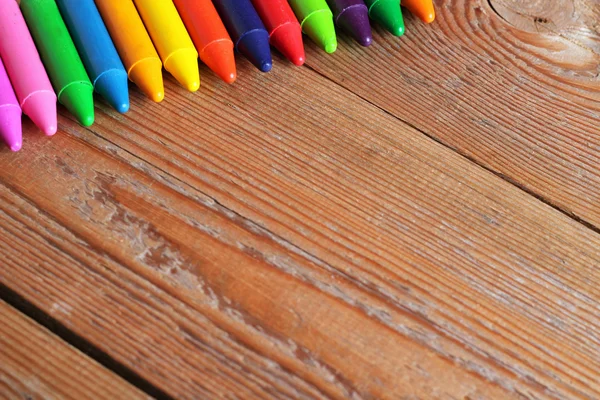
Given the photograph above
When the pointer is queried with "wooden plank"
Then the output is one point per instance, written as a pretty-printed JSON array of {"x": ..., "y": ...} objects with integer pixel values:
[
  {"x": 519, "y": 97},
  {"x": 218, "y": 250},
  {"x": 35, "y": 364}
]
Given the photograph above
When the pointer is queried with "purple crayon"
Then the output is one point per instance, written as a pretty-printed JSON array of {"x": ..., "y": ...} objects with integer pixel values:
[{"x": 353, "y": 16}]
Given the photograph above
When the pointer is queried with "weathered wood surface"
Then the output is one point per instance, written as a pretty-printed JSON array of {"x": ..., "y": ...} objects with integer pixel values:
[
  {"x": 35, "y": 364},
  {"x": 517, "y": 92},
  {"x": 333, "y": 251}
]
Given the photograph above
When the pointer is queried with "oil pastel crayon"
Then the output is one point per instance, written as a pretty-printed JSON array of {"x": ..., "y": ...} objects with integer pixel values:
[
  {"x": 65, "y": 69},
  {"x": 210, "y": 36},
  {"x": 25, "y": 69},
  {"x": 248, "y": 32},
  {"x": 172, "y": 40},
  {"x": 423, "y": 9},
  {"x": 353, "y": 17},
  {"x": 388, "y": 14},
  {"x": 134, "y": 45},
  {"x": 316, "y": 21},
  {"x": 10, "y": 113},
  {"x": 284, "y": 30},
  {"x": 97, "y": 51}
]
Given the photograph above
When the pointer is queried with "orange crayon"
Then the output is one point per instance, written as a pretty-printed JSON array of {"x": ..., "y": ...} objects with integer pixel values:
[
  {"x": 134, "y": 45},
  {"x": 421, "y": 8},
  {"x": 209, "y": 35}
]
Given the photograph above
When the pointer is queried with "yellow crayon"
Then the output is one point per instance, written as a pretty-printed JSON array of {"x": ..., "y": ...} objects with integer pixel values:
[
  {"x": 135, "y": 47},
  {"x": 172, "y": 40}
]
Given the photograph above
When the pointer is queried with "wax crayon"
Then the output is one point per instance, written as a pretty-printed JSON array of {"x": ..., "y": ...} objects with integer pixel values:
[
  {"x": 353, "y": 17},
  {"x": 316, "y": 20},
  {"x": 134, "y": 45},
  {"x": 421, "y": 8},
  {"x": 210, "y": 36},
  {"x": 25, "y": 69},
  {"x": 284, "y": 30},
  {"x": 172, "y": 40},
  {"x": 97, "y": 51},
  {"x": 10, "y": 113},
  {"x": 65, "y": 69},
  {"x": 247, "y": 31},
  {"x": 388, "y": 14}
]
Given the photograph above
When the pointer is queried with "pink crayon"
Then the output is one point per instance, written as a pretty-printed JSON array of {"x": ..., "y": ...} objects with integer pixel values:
[
  {"x": 10, "y": 113},
  {"x": 25, "y": 69}
]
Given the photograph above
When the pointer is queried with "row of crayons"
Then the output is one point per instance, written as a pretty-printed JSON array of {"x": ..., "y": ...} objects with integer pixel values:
[{"x": 66, "y": 49}]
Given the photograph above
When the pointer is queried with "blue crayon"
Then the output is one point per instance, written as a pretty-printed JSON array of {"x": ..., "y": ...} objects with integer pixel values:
[
  {"x": 97, "y": 51},
  {"x": 247, "y": 31}
]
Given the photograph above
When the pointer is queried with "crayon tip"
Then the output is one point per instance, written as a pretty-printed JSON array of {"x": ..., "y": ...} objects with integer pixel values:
[
  {"x": 218, "y": 56},
  {"x": 287, "y": 38},
  {"x": 355, "y": 20},
  {"x": 388, "y": 14},
  {"x": 147, "y": 75},
  {"x": 10, "y": 126},
  {"x": 254, "y": 45},
  {"x": 79, "y": 100},
  {"x": 183, "y": 65},
  {"x": 423, "y": 9},
  {"x": 319, "y": 27},
  {"x": 112, "y": 85},
  {"x": 40, "y": 107}
]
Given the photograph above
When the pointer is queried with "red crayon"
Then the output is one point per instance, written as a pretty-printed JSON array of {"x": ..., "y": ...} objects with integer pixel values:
[
  {"x": 209, "y": 36},
  {"x": 284, "y": 29}
]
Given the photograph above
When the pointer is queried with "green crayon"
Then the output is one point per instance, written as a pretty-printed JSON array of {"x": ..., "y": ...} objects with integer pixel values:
[
  {"x": 316, "y": 20},
  {"x": 57, "y": 51},
  {"x": 388, "y": 14}
]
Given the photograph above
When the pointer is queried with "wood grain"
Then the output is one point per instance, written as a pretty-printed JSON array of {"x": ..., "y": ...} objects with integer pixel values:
[
  {"x": 513, "y": 86},
  {"x": 35, "y": 364},
  {"x": 332, "y": 251}
]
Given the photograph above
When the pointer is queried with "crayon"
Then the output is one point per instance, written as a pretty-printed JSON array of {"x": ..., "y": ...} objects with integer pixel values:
[
  {"x": 172, "y": 40},
  {"x": 353, "y": 16},
  {"x": 421, "y": 8},
  {"x": 65, "y": 69},
  {"x": 97, "y": 51},
  {"x": 210, "y": 36},
  {"x": 316, "y": 20},
  {"x": 247, "y": 31},
  {"x": 10, "y": 113},
  {"x": 388, "y": 14},
  {"x": 25, "y": 69},
  {"x": 134, "y": 45},
  {"x": 284, "y": 30}
]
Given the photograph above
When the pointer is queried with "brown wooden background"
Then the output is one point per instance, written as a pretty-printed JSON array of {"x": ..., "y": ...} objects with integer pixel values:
[{"x": 415, "y": 220}]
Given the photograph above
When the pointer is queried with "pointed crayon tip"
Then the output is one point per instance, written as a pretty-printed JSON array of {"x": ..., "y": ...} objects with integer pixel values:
[
  {"x": 219, "y": 57},
  {"x": 355, "y": 20},
  {"x": 423, "y": 9},
  {"x": 287, "y": 38},
  {"x": 79, "y": 100},
  {"x": 319, "y": 27},
  {"x": 112, "y": 85},
  {"x": 147, "y": 75},
  {"x": 10, "y": 126},
  {"x": 40, "y": 107},
  {"x": 254, "y": 45},
  {"x": 388, "y": 14},
  {"x": 183, "y": 65}
]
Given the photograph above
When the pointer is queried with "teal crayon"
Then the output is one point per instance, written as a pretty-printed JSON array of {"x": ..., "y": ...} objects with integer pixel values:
[{"x": 97, "y": 51}]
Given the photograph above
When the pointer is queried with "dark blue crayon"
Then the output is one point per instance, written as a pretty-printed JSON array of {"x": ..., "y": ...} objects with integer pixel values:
[
  {"x": 97, "y": 51},
  {"x": 247, "y": 31}
]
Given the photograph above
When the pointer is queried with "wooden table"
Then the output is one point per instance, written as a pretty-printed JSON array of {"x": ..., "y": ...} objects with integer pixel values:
[{"x": 415, "y": 220}]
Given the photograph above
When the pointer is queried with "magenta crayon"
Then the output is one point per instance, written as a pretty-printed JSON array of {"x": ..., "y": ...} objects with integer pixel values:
[
  {"x": 10, "y": 113},
  {"x": 25, "y": 69},
  {"x": 353, "y": 17}
]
